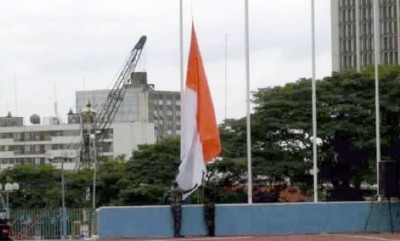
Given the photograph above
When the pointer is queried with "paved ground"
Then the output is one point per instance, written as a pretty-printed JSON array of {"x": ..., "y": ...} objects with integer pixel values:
[{"x": 311, "y": 237}]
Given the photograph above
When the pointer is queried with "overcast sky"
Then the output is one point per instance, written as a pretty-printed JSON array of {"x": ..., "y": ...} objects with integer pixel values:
[{"x": 50, "y": 49}]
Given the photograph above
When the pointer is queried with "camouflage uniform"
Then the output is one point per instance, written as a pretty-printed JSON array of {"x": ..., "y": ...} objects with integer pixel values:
[
  {"x": 209, "y": 210},
  {"x": 175, "y": 198}
]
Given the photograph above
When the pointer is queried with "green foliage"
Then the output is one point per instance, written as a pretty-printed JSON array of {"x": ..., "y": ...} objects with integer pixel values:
[{"x": 281, "y": 149}]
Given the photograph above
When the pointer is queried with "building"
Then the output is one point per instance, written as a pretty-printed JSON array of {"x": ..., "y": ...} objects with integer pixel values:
[
  {"x": 353, "y": 33},
  {"x": 165, "y": 111},
  {"x": 142, "y": 104},
  {"x": 38, "y": 144}
]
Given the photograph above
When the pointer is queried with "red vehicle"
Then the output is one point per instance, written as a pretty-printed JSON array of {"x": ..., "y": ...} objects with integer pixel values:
[{"x": 5, "y": 226}]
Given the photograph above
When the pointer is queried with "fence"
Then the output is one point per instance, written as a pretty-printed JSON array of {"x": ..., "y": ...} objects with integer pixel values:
[{"x": 47, "y": 223}]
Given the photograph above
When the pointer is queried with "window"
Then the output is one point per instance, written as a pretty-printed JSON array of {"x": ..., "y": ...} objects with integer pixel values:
[
  {"x": 37, "y": 148},
  {"x": 18, "y": 136},
  {"x": 27, "y": 136},
  {"x": 27, "y": 149}
]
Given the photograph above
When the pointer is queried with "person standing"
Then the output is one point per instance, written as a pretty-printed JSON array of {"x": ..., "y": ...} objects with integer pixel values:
[
  {"x": 175, "y": 198},
  {"x": 209, "y": 210}
]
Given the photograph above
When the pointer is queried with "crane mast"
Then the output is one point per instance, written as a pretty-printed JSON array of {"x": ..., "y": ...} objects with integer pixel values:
[
  {"x": 116, "y": 95},
  {"x": 94, "y": 126}
]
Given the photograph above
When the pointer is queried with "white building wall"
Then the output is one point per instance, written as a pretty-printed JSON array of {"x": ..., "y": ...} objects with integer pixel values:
[
  {"x": 127, "y": 137},
  {"x": 335, "y": 35}
]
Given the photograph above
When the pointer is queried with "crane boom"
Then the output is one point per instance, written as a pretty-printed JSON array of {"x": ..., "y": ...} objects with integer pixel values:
[
  {"x": 116, "y": 95},
  {"x": 97, "y": 126}
]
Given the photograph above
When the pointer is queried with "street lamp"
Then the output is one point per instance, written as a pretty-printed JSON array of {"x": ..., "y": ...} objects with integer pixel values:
[
  {"x": 64, "y": 210},
  {"x": 9, "y": 187},
  {"x": 93, "y": 138}
]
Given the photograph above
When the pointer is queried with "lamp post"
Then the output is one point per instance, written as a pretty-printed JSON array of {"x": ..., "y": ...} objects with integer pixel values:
[
  {"x": 9, "y": 187},
  {"x": 64, "y": 211},
  {"x": 93, "y": 139}
]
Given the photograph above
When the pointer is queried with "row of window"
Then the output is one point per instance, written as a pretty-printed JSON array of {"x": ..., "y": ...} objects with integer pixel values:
[
  {"x": 33, "y": 149},
  {"x": 388, "y": 27},
  {"x": 366, "y": 28},
  {"x": 168, "y": 123},
  {"x": 352, "y": 3},
  {"x": 38, "y": 136},
  {"x": 389, "y": 57},
  {"x": 366, "y": 44},
  {"x": 159, "y": 114},
  {"x": 349, "y": 60},
  {"x": 15, "y": 161},
  {"x": 42, "y": 149},
  {"x": 167, "y": 102},
  {"x": 389, "y": 43},
  {"x": 387, "y": 11}
]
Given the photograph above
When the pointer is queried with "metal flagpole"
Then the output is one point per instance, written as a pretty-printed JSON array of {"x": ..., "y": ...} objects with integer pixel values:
[
  {"x": 226, "y": 75},
  {"x": 181, "y": 59},
  {"x": 314, "y": 105},
  {"x": 249, "y": 166},
  {"x": 181, "y": 46},
  {"x": 377, "y": 109}
]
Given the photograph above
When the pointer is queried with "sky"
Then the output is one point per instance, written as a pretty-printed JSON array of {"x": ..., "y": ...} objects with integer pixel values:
[{"x": 51, "y": 49}]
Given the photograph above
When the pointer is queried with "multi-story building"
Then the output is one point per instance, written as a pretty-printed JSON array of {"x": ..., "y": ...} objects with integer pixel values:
[
  {"x": 57, "y": 143},
  {"x": 142, "y": 104},
  {"x": 164, "y": 112},
  {"x": 353, "y": 33}
]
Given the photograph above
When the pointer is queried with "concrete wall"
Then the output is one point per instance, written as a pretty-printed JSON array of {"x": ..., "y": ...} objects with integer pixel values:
[
  {"x": 243, "y": 219},
  {"x": 127, "y": 137}
]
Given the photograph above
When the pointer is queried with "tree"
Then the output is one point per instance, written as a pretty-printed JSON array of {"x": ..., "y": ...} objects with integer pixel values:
[
  {"x": 39, "y": 186},
  {"x": 150, "y": 172},
  {"x": 346, "y": 128}
]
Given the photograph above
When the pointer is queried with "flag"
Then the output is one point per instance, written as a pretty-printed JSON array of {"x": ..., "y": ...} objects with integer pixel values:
[{"x": 199, "y": 132}]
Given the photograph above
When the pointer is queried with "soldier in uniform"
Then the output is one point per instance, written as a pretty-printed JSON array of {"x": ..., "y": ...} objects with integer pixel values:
[
  {"x": 175, "y": 198},
  {"x": 209, "y": 210}
]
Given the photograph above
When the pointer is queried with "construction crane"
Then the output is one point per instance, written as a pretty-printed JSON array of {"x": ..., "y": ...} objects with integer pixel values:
[
  {"x": 101, "y": 123},
  {"x": 116, "y": 95}
]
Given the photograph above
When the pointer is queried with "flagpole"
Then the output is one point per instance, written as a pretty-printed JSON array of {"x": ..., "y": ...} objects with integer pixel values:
[
  {"x": 377, "y": 105},
  {"x": 314, "y": 105},
  {"x": 249, "y": 166},
  {"x": 226, "y": 75},
  {"x": 181, "y": 44},
  {"x": 181, "y": 60}
]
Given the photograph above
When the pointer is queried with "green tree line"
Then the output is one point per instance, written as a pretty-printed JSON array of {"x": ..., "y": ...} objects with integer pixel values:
[{"x": 281, "y": 149}]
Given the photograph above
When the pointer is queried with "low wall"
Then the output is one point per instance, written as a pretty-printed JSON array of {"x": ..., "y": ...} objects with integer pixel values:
[{"x": 257, "y": 219}]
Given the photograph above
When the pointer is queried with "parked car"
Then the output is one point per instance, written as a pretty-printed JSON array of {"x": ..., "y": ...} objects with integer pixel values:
[{"x": 5, "y": 226}]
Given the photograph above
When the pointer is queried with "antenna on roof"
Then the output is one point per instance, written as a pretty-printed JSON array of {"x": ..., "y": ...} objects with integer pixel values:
[
  {"x": 15, "y": 94},
  {"x": 56, "y": 105}
]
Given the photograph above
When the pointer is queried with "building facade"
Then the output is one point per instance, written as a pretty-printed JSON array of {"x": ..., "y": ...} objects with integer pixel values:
[
  {"x": 353, "y": 33},
  {"x": 54, "y": 144},
  {"x": 142, "y": 104}
]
